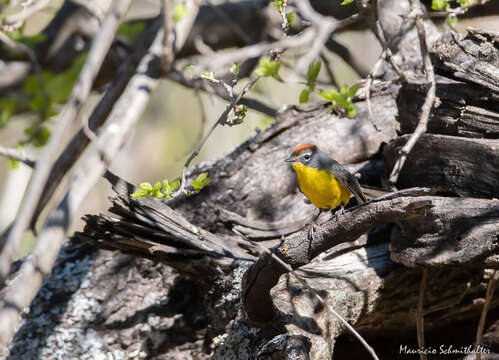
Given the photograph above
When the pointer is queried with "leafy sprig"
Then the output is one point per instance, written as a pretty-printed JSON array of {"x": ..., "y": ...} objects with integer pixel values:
[
  {"x": 166, "y": 189},
  {"x": 341, "y": 101},
  {"x": 312, "y": 73},
  {"x": 269, "y": 68}
]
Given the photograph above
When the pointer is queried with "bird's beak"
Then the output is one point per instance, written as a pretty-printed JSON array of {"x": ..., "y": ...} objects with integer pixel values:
[{"x": 291, "y": 159}]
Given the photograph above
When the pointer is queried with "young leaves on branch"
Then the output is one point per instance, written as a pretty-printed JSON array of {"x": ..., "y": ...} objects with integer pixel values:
[
  {"x": 41, "y": 94},
  {"x": 165, "y": 189},
  {"x": 269, "y": 68},
  {"x": 341, "y": 101},
  {"x": 312, "y": 73},
  {"x": 444, "y": 5}
]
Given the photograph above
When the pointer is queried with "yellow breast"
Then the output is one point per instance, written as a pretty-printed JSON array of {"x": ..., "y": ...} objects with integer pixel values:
[{"x": 321, "y": 187}]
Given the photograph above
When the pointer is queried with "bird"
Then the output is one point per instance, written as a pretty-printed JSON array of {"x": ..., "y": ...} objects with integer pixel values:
[{"x": 323, "y": 180}]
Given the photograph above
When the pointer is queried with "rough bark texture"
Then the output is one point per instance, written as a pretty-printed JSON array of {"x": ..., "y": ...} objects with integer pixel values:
[{"x": 100, "y": 303}]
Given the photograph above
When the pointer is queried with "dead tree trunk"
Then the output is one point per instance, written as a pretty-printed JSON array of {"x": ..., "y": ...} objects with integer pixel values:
[{"x": 205, "y": 292}]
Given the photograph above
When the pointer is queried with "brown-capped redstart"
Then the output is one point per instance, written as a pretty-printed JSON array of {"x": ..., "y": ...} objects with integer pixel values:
[{"x": 324, "y": 181}]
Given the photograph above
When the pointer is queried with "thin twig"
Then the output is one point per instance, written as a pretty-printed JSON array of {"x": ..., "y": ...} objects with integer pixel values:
[
  {"x": 314, "y": 292},
  {"x": 456, "y": 11},
  {"x": 17, "y": 155},
  {"x": 220, "y": 91},
  {"x": 388, "y": 52},
  {"x": 420, "y": 314},
  {"x": 222, "y": 119},
  {"x": 430, "y": 96},
  {"x": 369, "y": 83},
  {"x": 481, "y": 325}
]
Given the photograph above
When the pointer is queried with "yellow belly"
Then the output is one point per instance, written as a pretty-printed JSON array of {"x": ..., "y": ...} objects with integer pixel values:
[{"x": 321, "y": 187}]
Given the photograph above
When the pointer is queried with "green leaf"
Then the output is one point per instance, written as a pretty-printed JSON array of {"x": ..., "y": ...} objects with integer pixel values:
[
  {"x": 351, "y": 110},
  {"x": 131, "y": 29},
  {"x": 41, "y": 137},
  {"x": 277, "y": 4},
  {"x": 466, "y": 2},
  {"x": 346, "y": 2},
  {"x": 179, "y": 11},
  {"x": 440, "y": 5},
  {"x": 156, "y": 191},
  {"x": 234, "y": 69},
  {"x": 144, "y": 189},
  {"x": 451, "y": 21},
  {"x": 30, "y": 40},
  {"x": 330, "y": 95},
  {"x": 304, "y": 96},
  {"x": 175, "y": 184},
  {"x": 139, "y": 193},
  {"x": 145, "y": 186},
  {"x": 290, "y": 17},
  {"x": 349, "y": 92},
  {"x": 38, "y": 134},
  {"x": 343, "y": 99},
  {"x": 239, "y": 114},
  {"x": 208, "y": 75},
  {"x": 189, "y": 67},
  {"x": 201, "y": 181},
  {"x": 7, "y": 108},
  {"x": 13, "y": 164},
  {"x": 269, "y": 68},
  {"x": 312, "y": 73}
]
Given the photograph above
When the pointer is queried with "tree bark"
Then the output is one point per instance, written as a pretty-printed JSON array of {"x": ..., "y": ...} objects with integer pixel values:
[{"x": 224, "y": 300}]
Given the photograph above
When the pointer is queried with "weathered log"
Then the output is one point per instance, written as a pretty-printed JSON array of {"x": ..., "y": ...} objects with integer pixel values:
[{"x": 467, "y": 167}]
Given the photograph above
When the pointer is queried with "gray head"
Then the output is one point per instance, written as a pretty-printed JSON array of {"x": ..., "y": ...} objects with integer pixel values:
[{"x": 307, "y": 154}]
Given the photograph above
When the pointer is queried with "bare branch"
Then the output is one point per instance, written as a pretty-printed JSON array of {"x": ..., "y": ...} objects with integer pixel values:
[
  {"x": 220, "y": 92},
  {"x": 69, "y": 113},
  {"x": 17, "y": 155},
  {"x": 430, "y": 96},
  {"x": 222, "y": 119}
]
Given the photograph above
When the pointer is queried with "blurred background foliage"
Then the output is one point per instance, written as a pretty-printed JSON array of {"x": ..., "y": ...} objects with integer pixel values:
[{"x": 172, "y": 124}]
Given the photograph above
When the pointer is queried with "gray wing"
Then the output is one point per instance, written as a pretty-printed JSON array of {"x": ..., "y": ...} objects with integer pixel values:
[{"x": 344, "y": 177}]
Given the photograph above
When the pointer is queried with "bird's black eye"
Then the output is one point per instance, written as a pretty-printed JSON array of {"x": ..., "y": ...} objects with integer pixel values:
[{"x": 306, "y": 157}]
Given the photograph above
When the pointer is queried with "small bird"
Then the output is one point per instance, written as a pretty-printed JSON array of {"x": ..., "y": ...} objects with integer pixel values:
[{"x": 324, "y": 181}]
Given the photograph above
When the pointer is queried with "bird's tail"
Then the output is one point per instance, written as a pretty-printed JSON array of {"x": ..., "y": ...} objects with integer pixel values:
[{"x": 371, "y": 192}]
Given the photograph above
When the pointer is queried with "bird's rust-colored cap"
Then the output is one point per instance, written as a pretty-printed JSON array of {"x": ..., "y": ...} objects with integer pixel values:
[{"x": 298, "y": 149}]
